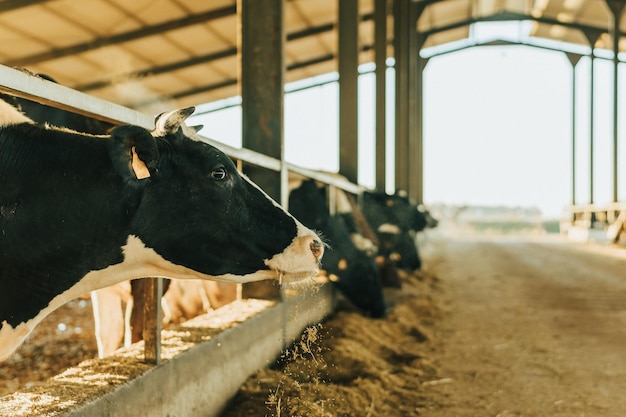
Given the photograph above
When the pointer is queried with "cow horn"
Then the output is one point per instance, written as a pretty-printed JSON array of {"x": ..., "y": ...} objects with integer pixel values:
[{"x": 170, "y": 122}]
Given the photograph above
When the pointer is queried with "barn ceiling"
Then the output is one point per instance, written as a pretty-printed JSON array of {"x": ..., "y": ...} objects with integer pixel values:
[
  {"x": 578, "y": 22},
  {"x": 148, "y": 53}
]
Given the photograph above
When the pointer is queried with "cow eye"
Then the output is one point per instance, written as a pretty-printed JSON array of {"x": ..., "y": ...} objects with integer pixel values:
[{"x": 218, "y": 174}]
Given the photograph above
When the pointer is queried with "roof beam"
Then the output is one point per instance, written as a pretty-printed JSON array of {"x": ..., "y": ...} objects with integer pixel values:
[
  {"x": 141, "y": 33},
  {"x": 504, "y": 16},
  {"x": 504, "y": 42},
  {"x": 160, "y": 69},
  {"x": 8, "y": 5},
  {"x": 225, "y": 53},
  {"x": 233, "y": 81},
  {"x": 158, "y": 29}
]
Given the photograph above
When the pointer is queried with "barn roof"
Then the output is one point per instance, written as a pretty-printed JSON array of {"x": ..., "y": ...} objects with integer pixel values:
[{"x": 183, "y": 52}]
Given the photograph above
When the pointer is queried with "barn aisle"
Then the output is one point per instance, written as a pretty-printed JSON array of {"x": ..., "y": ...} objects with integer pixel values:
[{"x": 532, "y": 327}]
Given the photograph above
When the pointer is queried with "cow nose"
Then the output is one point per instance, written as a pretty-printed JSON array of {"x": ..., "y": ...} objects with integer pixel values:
[{"x": 317, "y": 248}]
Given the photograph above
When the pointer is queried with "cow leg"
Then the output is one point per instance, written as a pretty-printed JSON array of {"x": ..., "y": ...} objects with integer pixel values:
[
  {"x": 220, "y": 293},
  {"x": 108, "y": 320},
  {"x": 128, "y": 334}
]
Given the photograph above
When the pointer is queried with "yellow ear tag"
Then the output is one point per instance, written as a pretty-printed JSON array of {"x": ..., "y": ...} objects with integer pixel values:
[{"x": 139, "y": 167}]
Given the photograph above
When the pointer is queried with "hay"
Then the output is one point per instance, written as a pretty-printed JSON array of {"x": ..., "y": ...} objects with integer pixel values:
[
  {"x": 351, "y": 365},
  {"x": 93, "y": 378}
]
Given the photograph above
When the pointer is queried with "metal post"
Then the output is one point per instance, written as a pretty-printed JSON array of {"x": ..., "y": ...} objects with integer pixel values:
[
  {"x": 591, "y": 124},
  {"x": 153, "y": 320},
  {"x": 401, "y": 48},
  {"x": 262, "y": 86},
  {"x": 416, "y": 142},
  {"x": 348, "y": 89},
  {"x": 380, "y": 56},
  {"x": 262, "y": 34},
  {"x": 592, "y": 36},
  {"x": 573, "y": 59},
  {"x": 616, "y": 7}
]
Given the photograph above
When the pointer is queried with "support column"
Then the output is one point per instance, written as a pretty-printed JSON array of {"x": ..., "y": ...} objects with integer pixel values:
[
  {"x": 616, "y": 7},
  {"x": 348, "y": 89},
  {"x": 380, "y": 57},
  {"x": 416, "y": 140},
  {"x": 592, "y": 37},
  {"x": 262, "y": 36},
  {"x": 573, "y": 59},
  {"x": 401, "y": 28},
  {"x": 262, "y": 84}
]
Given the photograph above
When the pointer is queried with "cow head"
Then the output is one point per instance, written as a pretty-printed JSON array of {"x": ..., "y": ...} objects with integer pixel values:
[
  {"x": 395, "y": 219},
  {"x": 352, "y": 270},
  {"x": 196, "y": 211}
]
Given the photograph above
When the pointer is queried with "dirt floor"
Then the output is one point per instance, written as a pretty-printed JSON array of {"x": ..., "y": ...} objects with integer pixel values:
[
  {"x": 494, "y": 327},
  {"x": 532, "y": 327}
]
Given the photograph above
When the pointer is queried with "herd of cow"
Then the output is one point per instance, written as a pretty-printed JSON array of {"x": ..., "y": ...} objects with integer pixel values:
[{"x": 89, "y": 212}]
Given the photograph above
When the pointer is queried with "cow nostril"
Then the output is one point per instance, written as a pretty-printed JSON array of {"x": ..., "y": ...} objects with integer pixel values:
[{"x": 317, "y": 248}]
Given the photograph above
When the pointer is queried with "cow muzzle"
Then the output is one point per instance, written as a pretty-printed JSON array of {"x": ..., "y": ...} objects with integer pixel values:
[{"x": 301, "y": 259}]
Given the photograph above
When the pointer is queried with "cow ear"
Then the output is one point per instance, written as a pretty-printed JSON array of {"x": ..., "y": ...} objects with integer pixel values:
[
  {"x": 170, "y": 122},
  {"x": 134, "y": 152}
]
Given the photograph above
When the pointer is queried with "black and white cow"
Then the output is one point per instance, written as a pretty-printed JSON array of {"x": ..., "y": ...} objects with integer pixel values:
[
  {"x": 80, "y": 212},
  {"x": 355, "y": 269},
  {"x": 396, "y": 220}
]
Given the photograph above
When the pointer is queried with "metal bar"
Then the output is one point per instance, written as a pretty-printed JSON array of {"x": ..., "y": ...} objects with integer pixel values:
[
  {"x": 34, "y": 88},
  {"x": 8, "y": 5},
  {"x": 616, "y": 8},
  {"x": 573, "y": 60},
  {"x": 159, "y": 69},
  {"x": 503, "y": 42},
  {"x": 145, "y": 31},
  {"x": 19, "y": 83},
  {"x": 333, "y": 179},
  {"x": 503, "y": 16},
  {"x": 233, "y": 81},
  {"x": 262, "y": 35},
  {"x": 416, "y": 161},
  {"x": 153, "y": 320},
  {"x": 225, "y": 53},
  {"x": 380, "y": 57},
  {"x": 401, "y": 52},
  {"x": 348, "y": 58},
  {"x": 591, "y": 126}
]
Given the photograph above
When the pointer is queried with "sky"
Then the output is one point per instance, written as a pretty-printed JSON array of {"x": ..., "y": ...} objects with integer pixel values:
[{"x": 497, "y": 128}]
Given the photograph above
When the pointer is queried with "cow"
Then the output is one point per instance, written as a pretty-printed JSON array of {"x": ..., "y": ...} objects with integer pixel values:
[
  {"x": 396, "y": 220},
  {"x": 118, "y": 310},
  {"x": 80, "y": 212},
  {"x": 352, "y": 270}
]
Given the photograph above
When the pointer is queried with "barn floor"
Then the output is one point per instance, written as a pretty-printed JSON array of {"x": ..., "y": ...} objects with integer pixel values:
[{"x": 495, "y": 326}]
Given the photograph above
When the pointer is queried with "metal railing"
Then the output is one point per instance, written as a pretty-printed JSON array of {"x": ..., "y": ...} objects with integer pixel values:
[{"x": 610, "y": 217}]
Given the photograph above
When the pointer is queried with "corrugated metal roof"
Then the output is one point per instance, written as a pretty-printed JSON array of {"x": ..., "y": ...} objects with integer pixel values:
[{"x": 152, "y": 54}]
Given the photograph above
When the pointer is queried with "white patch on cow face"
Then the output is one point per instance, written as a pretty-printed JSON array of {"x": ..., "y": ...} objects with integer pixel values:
[
  {"x": 9, "y": 115},
  {"x": 300, "y": 260},
  {"x": 363, "y": 244},
  {"x": 392, "y": 229}
]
